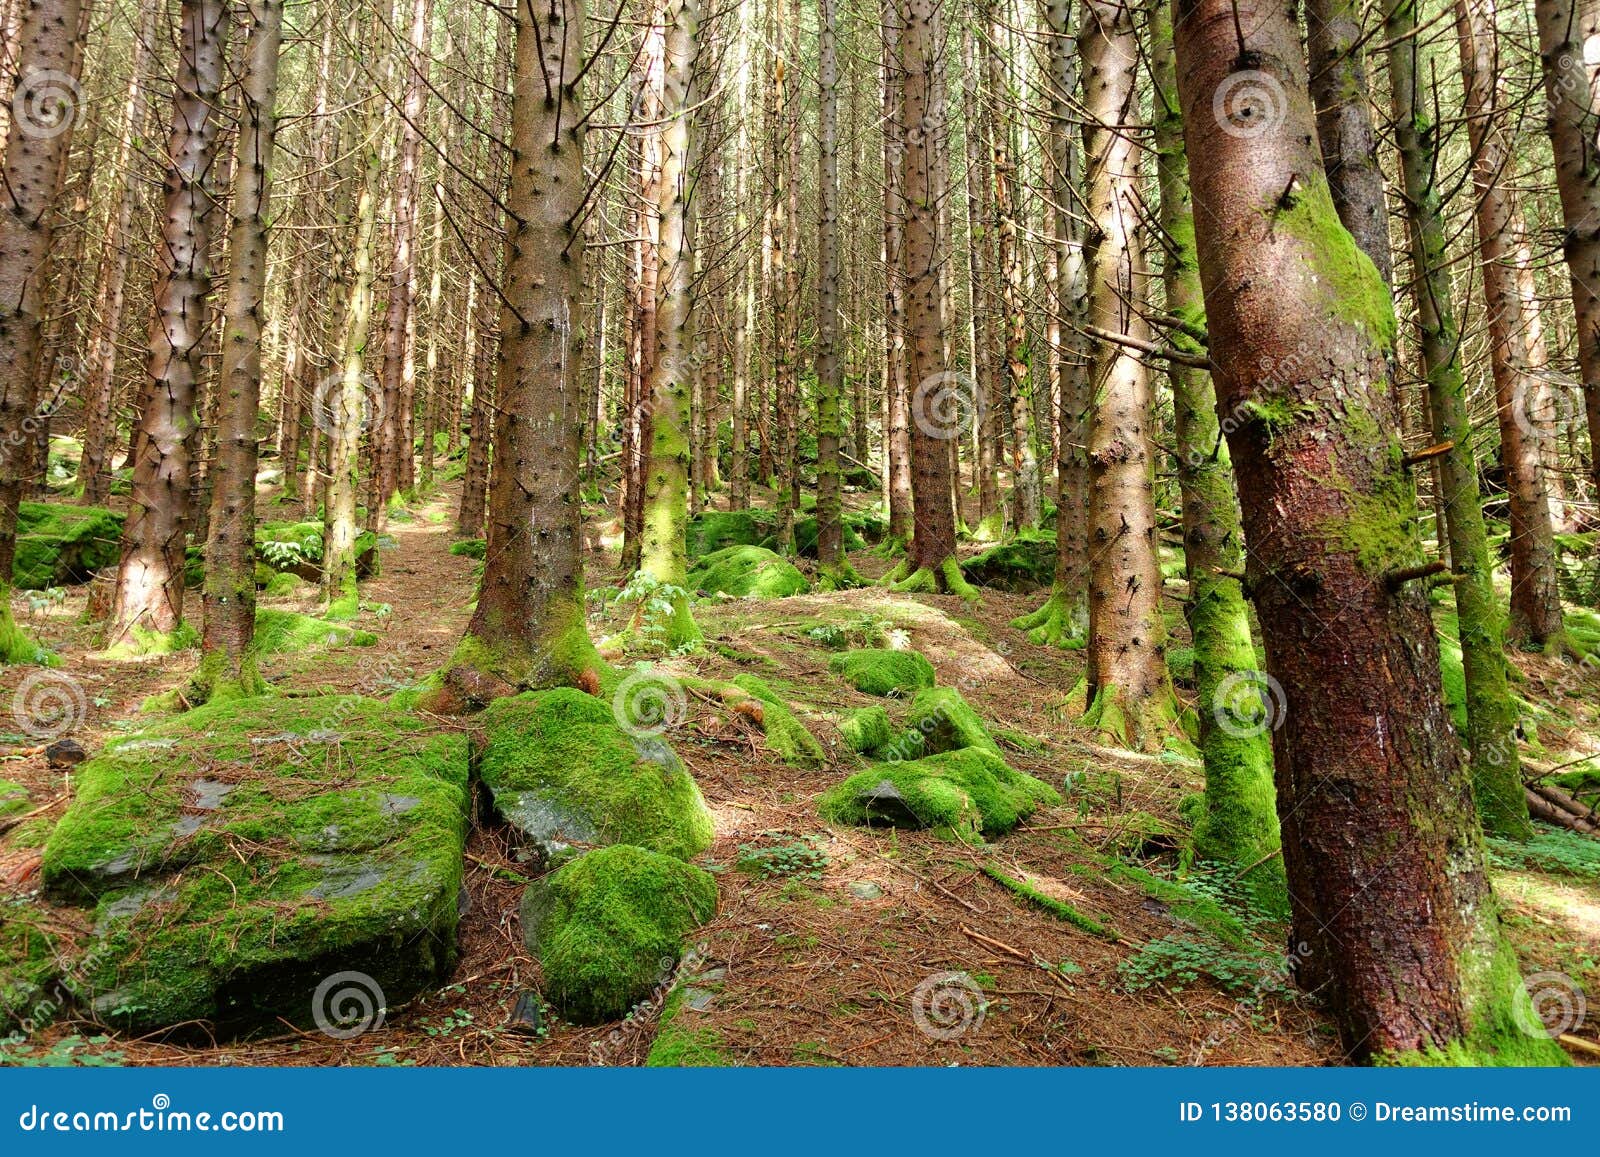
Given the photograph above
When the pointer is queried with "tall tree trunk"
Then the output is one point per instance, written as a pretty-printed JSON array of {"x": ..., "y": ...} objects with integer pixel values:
[
  {"x": 1567, "y": 29},
  {"x": 988, "y": 438},
  {"x": 896, "y": 426},
  {"x": 1381, "y": 845},
  {"x": 663, "y": 551},
  {"x": 480, "y": 428},
  {"x": 39, "y": 138},
  {"x": 147, "y": 606},
  {"x": 228, "y": 661},
  {"x": 528, "y": 629},
  {"x": 1491, "y": 713},
  {"x": 1344, "y": 126},
  {"x": 1130, "y": 692},
  {"x": 1535, "y": 590},
  {"x": 1240, "y": 824},
  {"x": 830, "y": 476}
]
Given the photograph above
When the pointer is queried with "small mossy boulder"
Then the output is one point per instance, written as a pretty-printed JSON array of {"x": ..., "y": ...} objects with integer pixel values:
[
  {"x": 867, "y": 730},
  {"x": 609, "y": 927},
  {"x": 13, "y": 798},
  {"x": 940, "y": 721},
  {"x": 1023, "y": 564},
  {"x": 747, "y": 572},
  {"x": 878, "y": 671},
  {"x": 805, "y": 538},
  {"x": 972, "y": 792},
  {"x": 716, "y": 530},
  {"x": 789, "y": 739},
  {"x": 565, "y": 774},
  {"x": 59, "y": 544},
  {"x": 241, "y": 854},
  {"x": 30, "y": 955}
]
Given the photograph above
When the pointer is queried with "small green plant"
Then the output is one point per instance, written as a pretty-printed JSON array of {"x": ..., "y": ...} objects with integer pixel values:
[
  {"x": 1176, "y": 962},
  {"x": 1553, "y": 850},
  {"x": 803, "y": 858},
  {"x": 453, "y": 1020},
  {"x": 68, "y": 1052},
  {"x": 655, "y": 605}
]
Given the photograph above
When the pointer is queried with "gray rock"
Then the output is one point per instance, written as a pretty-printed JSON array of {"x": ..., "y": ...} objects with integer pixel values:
[{"x": 864, "y": 889}]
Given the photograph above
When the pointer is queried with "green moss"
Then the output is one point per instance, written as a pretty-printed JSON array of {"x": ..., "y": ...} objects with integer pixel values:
[
  {"x": 789, "y": 739},
  {"x": 1063, "y": 621},
  {"x": 13, "y": 798},
  {"x": 609, "y": 927},
  {"x": 1057, "y": 908},
  {"x": 677, "y": 1045},
  {"x": 878, "y": 671},
  {"x": 715, "y": 530},
  {"x": 946, "y": 578},
  {"x": 867, "y": 730},
  {"x": 1025, "y": 563},
  {"x": 470, "y": 548},
  {"x": 17, "y": 647},
  {"x": 59, "y": 544},
  {"x": 1188, "y": 904},
  {"x": 1353, "y": 290},
  {"x": 285, "y": 632},
  {"x": 242, "y": 852},
  {"x": 142, "y": 642},
  {"x": 941, "y": 720},
  {"x": 804, "y": 541},
  {"x": 972, "y": 792},
  {"x": 564, "y": 772},
  {"x": 748, "y": 572},
  {"x": 30, "y": 963},
  {"x": 282, "y": 584}
]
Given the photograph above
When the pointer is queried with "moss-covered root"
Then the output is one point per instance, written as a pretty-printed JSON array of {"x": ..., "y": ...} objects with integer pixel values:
[
  {"x": 880, "y": 671},
  {"x": 482, "y": 670},
  {"x": 1503, "y": 1029},
  {"x": 217, "y": 679},
  {"x": 1060, "y": 909},
  {"x": 789, "y": 739},
  {"x": 16, "y": 645},
  {"x": 609, "y": 927},
  {"x": 944, "y": 579},
  {"x": 843, "y": 577},
  {"x": 142, "y": 643},
  {"x": 1063, "y": 621},
  {"x": 1146, "y": 724}
]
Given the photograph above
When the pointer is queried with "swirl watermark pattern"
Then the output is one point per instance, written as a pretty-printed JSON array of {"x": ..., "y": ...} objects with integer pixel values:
[
  {"x": 1556, "y": 1005},
  {"x": 1250, "y": 104},
  {"x": 1544, "y": 403},
  {"x": 45, "y": 103},
  {"x": 948, "y": 1005},
  {"x": 49, "y": 704},
  {"x": 649, "y": 703},
  {"x": 347, "y": 1005},
  {"x": 335, "y": 408},
  {"x": 944, "y": 405},
  {"x": 1249, "y": 703}
]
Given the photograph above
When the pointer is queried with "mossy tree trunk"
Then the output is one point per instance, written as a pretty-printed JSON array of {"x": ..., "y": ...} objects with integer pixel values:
[
  {"x": 148, "y": 597},
  {"x": 1572, "y": 83},
  {"x": 1130, "y": 692},
  {"x": 34, "y": 170},
  {"x": 830, "y": 529},
  {"x": 228, "y": 661},
  {"x": 663, "y": 550},
  {"x": 1241, "y": 820},
  {"x": 1335, "y": 44},
  {"x": 528, "y": 630},
  {"x": 1535, "y": 589},
  {"x": 1491, "y": 713},
  {"x": 1381, "y": 843}
]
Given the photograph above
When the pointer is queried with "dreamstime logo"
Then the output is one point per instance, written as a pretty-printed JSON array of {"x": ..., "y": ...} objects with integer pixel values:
[
  {"x": 49, "y": 704},
  {"x": 347, "y": 1005},
  {"x": 1555, "y": 1005},
  {"x": 649, "y": 703},
  {"x": 334, "y": 408},
  {"x": 45, "y": 103},
  {"x": 1249, "y": 703},
  {"x": 944, "y": 405},
  {"x": 948, "y": 1005},
  {"x": 1546, "y": 402},
  {"x": 1249, "y": 104}
]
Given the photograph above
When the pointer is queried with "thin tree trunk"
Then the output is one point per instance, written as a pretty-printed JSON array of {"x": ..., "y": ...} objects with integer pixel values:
[
  {"x": 830, "y": 531},
  {"x": 896, "y": 426}
]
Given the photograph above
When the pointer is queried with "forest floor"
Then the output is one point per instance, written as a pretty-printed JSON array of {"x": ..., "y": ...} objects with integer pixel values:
[{"x": 833, "y": 958}]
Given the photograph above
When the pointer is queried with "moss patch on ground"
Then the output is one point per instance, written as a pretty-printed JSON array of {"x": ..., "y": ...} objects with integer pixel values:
[
  {"x": 867, "y": 730},
  {"x": 747, "y": 572},
  {"x": 789, "y": 739},
  {"x": 285, "y": 632},
  {"x": 877, "y": 671},
  {"x": 972, "y": 792},
  {"x": 59, "y": 544},
  {"x": 1025, "y": 563},
  {"x": 609, "y": 927},
  {"x": 564, "y": 773},
  {"x": 941, "y": 720},
  {"x": 240, "y": 854}
]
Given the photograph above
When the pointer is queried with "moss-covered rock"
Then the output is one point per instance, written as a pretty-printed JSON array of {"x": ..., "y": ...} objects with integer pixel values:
[
  {"x": 564, "y": 773},
  {"x": 681, "y": 1044},
  {"x": 867, "y": 730},
  {"x": 715, "y": 530},
  {"x": 804, "y": 542},
  {"x": 282, "y": 584},
  {"x": 285, "y": 632},
  {"x": 609, "y": 927},
  {"x": 30, "y": 955},
  {"x": 941, "y": 720},
  {"x": 59, "y": 544},
  {"x": 878, "y": 671},
  {"x": 241, "y": 853},
  {"x": 747, "y": 572},
  {"x": 973, "y": 792},
  {"x": 788, "y": 738},
  {"x": 1025, "y": 563},
  {"x": 13, "y": 798}
]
